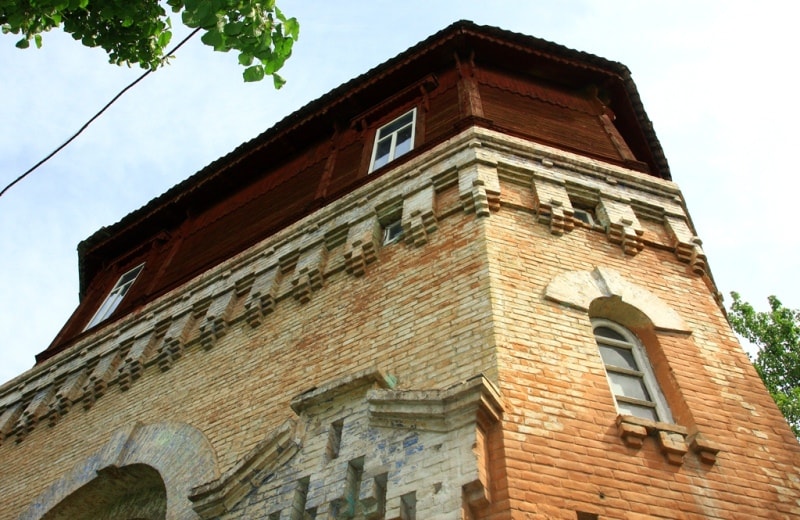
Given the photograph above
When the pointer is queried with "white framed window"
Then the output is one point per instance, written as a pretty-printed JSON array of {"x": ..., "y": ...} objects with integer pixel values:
[
  {"x": 629, "y": 373},
  {"x": 116, "y": 295},
  {"x": 393, "y": 139}
]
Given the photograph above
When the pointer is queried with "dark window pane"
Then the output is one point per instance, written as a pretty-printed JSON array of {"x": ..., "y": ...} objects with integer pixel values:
[
  {"x": 606, "y": 332},
  {"x": 629, "y": 386},
  {"x": 382, "y": 153},
  {"x": 396, "y": 125},
  {"x": 618, "y": 357}
]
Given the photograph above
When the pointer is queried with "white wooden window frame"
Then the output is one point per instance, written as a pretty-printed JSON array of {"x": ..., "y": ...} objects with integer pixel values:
[
  {"x": 647, "y": 375},
  {"x": 115, "y": 296},
  {"x": 391, "y": 137}
]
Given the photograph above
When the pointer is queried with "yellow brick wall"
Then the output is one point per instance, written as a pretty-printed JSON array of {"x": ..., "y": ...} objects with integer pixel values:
[
  {"x": 471, "y": 298},
  {"x": 421, "y": 314}
]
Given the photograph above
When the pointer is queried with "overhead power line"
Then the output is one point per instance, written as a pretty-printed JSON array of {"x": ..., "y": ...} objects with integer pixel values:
[{"x": 90, "y": 121}]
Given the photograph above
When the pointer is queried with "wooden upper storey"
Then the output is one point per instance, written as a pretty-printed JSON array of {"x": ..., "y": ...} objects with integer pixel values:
[{"x": 463, "y": 76}]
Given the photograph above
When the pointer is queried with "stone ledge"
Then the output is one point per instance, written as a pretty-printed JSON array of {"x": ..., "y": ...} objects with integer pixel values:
[
  {"x": 436, "y": 410},
  {"x": 673, "y": 439}
]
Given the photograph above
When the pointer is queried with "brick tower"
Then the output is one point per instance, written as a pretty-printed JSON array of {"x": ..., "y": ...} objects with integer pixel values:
[{"x": 462, "y": 285}]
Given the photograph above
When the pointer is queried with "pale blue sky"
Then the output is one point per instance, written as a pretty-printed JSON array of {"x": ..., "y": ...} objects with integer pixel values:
[{"x": 716, "y": 78}]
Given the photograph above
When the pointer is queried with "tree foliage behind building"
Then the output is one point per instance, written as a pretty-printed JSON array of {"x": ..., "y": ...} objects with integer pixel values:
[
  {"x": 139, "y": 31},
  {"x": 776, "y": 333}
]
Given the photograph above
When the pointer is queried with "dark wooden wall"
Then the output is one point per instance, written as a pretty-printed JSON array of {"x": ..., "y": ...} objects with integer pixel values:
[{"x": 274, "y": 195}]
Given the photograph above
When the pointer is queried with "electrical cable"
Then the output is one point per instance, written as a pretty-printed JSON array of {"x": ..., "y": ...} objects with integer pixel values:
[{"x": 90, "y": 121}]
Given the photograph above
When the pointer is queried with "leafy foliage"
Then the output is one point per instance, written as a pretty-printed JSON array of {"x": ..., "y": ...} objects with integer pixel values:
[
  {"x": 776, "y": 333},
  {"x": 139, "y": 31}
]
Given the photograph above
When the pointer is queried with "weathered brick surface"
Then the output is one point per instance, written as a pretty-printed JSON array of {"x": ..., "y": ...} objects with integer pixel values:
[
  {"x": 560, "y": 432},
  {"x": 466, "y": 293}
]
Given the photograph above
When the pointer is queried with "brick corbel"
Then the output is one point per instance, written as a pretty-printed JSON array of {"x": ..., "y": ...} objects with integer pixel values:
[
  {"x": 326, "y": 392},
  {"x": 419, "y": 220},
  {"x": 435, "y": 410},
  {"x": 37, "y": 408},
  {"x": 307, "y": 276},
  {"x": 552, "y": 205},
  {"x": 671, "y": 437},
  {"x": 70, "y": 389},
  {"x": 261, "y": 300},
  {"x": 362, "y": 246},
  {"x": 97, "y": 382},
  {"x": 133, "y": 364},
  {"x": 705, "y": 449},
  {"x": 688, "y": 248},
  {"x": 174, "y": 333},
  {"x": 215, "y": 324},
  {"x": 8, "y": 420},
  {"x": 479, "y": 189},
  {"x": 622, "y": 226}
]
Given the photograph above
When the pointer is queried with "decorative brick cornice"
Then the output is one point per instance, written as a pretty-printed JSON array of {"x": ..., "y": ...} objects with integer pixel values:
[
  {"x": 436, "y": 410},
  {"x": 340, "y": 237}
]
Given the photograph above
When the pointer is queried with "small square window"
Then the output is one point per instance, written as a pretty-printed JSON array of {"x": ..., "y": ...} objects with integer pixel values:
[
  {"x": 584, "y": 216},
  {"x": 116, "y": 295},
  {"x": 393, "y": 140},
  {"x": 393, "y": 233}
]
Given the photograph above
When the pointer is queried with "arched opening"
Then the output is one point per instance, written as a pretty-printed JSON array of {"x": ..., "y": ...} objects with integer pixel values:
[
  {"x": 133, "y": 492},
  {"x": 630, "y": 375}
]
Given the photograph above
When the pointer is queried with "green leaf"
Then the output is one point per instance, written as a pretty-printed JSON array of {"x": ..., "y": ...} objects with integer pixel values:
[
  {"x": 192, "y": 5},
  {"x": 233, "y": 28},
  {"x": 139, "y": 32},
  {"x": 278, "y": 81},
  {"x": 253, "y": 73},
  {"x": 164, "y": 39},
  {"x": 214, "y": 39},
  {"x": 292, "y": 28}
]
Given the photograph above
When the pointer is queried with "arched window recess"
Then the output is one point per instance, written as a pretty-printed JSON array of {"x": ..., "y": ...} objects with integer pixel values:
[{"x": 630, "y": 374}]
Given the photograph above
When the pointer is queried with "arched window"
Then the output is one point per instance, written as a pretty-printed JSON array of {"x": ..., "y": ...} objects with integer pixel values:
[{"x": 630, "y": 375}]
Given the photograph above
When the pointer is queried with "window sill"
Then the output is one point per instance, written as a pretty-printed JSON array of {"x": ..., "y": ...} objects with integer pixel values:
[{"x": 673, "y": 440}]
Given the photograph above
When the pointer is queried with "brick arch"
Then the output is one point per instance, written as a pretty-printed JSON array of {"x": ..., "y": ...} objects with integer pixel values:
[
  {"x": 178, "y": 452},
  {"x": 135, "y": 492},
  {"x": 579, "y": 289}
]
